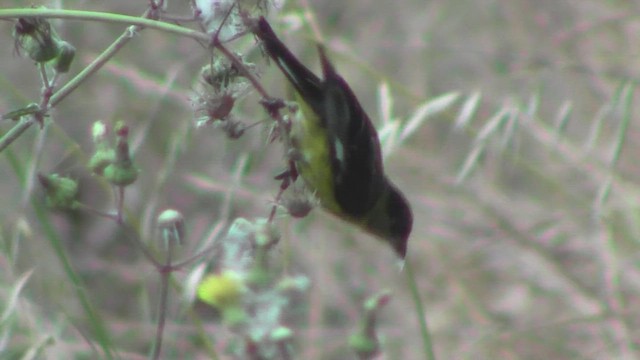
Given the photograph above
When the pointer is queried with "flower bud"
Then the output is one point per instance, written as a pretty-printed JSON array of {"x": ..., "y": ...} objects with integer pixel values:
[
  {"x": 61, "y": 192},
  {"x": 65, "y": 57},
  {"x": 122, "y": 171}
]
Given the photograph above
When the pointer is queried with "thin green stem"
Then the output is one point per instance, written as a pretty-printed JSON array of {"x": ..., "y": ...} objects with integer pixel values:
[
  {"x": 15, "y": 132},
  {"x": 422, "y": 318},
  {"x": 105, "y": 17},
  {"x": 165, "y": 273},
  {"x": 92, "y": 68}
]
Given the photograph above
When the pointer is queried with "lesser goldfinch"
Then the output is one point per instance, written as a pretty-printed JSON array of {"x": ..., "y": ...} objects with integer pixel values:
[{"x": 339, "y": 155}]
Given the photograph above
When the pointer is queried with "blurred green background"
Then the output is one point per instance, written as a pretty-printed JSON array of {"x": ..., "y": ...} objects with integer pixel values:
[{"x": 525, "y": 241}]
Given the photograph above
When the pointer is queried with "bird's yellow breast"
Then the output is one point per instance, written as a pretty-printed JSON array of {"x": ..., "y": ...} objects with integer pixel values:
[{"x": 313, "y": 162}]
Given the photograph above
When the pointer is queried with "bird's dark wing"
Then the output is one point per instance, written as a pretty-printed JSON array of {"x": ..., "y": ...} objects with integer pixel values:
[
  {"x": 359, "y": 176},
  {"x": 304, "y": 81}
]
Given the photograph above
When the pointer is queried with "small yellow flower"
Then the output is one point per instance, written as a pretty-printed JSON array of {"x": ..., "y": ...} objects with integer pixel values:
[{"x": 222, "y": 290}]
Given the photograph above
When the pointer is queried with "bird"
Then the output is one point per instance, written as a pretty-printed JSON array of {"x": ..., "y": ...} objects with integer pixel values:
[{"x": 339, "y": 156}]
